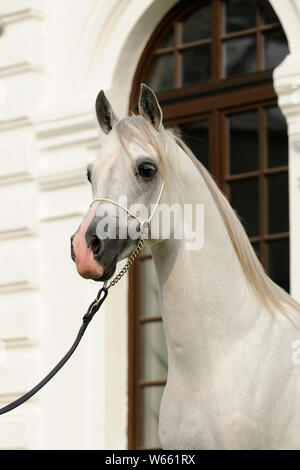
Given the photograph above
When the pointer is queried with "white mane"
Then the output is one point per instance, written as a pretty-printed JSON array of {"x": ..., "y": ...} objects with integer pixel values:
[{"x": 136, "y": 129}]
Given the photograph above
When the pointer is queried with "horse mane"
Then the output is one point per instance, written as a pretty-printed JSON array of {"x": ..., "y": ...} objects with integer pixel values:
[{"x": 271, "y": 296}]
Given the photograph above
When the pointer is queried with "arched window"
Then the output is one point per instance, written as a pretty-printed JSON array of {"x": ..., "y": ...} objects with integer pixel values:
[{"x": 211, "y": 64}]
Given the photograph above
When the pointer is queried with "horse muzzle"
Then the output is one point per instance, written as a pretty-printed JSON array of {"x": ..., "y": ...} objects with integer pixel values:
[
  {"x": 84, "y": 247},
  {"x": 95, "y": 258},
  {"x": 84, "y": 257}
]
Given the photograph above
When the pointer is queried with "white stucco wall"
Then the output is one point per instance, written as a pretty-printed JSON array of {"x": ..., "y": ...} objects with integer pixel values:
[{"x": 54, "y": 58}]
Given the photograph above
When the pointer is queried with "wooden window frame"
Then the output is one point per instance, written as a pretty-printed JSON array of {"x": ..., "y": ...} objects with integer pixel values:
[{"x": 182, "y": 9}]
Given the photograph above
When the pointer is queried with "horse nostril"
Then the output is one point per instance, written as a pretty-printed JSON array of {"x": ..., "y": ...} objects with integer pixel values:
[
  {"x": 72, "y": 249},
  {"x": 95, "y": 244}
]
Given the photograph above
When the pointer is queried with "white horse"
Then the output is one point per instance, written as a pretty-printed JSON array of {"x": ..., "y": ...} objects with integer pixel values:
[{"x": 233, "y": 379}]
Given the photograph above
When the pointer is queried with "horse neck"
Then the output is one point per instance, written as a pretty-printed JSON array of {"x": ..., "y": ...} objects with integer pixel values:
[{"x": 206, "y": 301}]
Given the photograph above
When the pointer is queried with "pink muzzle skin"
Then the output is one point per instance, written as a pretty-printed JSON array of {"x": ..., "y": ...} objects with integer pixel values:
[{"x": 86, "y": 265}]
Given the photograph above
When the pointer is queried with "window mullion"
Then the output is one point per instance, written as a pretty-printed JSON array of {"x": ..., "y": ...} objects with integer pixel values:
[
  {"x": 262, "y": 191},
  {"x": 177, "y": 55},
  {"x": 216, "y": 52}
]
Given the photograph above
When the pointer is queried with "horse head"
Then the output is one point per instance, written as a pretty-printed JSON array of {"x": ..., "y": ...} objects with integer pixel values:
[{"x": 127, "y": 173}]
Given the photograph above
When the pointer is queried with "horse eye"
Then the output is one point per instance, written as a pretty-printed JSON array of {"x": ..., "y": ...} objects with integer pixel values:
[
  {"x": 88, "y": 175},
  {"x": 147, "y": 170}
]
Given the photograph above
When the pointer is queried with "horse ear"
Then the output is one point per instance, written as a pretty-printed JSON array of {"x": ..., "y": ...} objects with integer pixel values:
[
  {"x": 149, "y": 107},
  {"x": 105, "y": 115}
]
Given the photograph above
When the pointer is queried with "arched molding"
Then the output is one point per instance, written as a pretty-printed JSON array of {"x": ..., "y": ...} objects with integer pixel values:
[{"x": 287, "y": 85}]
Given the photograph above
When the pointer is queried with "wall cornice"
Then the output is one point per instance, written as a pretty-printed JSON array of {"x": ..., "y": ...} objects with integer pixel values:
[
  {"x": 21, "y": 15},
  {"x": 67, "y": 130},
  {"x": 20, "y": 67},
  {"x": 17, "y": 233},
  {"x": 62, "y": 179},
  {"x": 13, "y": 123}
]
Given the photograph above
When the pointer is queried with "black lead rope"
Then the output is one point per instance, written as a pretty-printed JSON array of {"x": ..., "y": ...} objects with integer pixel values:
[{"x": 93, "y": 308}]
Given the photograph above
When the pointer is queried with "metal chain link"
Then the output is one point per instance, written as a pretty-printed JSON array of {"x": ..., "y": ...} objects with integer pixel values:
[{"x": 140, "y": 244}]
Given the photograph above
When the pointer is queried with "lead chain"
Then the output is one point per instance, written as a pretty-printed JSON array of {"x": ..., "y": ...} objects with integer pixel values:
[{"x": 140, "y": 244}]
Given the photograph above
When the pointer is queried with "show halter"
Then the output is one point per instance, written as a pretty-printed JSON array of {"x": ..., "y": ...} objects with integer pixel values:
[
  {"x": 144, "y": 230},
  {"x": 94, "y": 306}
]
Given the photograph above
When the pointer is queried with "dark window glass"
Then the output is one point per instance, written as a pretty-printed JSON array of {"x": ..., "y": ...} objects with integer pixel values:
[
  {"x": 243, "y": 142},
  {"x": 278, "y": 259},
  {"x": 197, "y": 25},
  {"x": 151, "y": 398},
  {"x": 276, "y": 48},
  {"x": 150, "y": 303},
  {"x": 240, "y": 56},
  {"x": 168, "y": 40},
  {"x": 154, "y": 351},
  {"x": 268, "y": 14},
  {"x": 239, "y": 15},
  {"x": 196, "y": 137},
  {"x": 278, "y": 203},
  {"x": 244, "y": 198},
  {"x": 256, "y": 249},
  {"x": 196, "y": 66},
  {"x": 160, "y": 76},
  {"x": 277, "y": 138}
]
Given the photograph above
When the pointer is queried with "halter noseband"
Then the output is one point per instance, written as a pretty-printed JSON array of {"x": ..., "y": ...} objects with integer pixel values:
[{"x": 142, "y": 223}]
